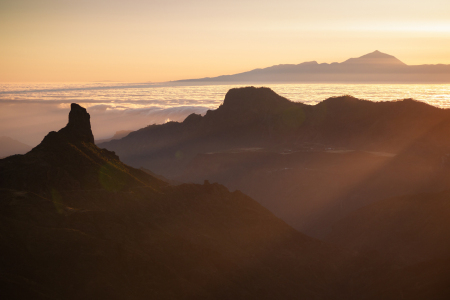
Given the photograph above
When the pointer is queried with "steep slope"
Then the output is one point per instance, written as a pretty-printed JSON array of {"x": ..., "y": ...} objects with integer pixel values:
[
  {"x": 68, "y": 159},
  {"x": 76, "y": 223}
]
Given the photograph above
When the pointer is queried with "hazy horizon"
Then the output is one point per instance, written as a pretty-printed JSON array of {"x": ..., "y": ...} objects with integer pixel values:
[
  {"x": 157, "y": 41},
  {"x": 29, "y": 111}
]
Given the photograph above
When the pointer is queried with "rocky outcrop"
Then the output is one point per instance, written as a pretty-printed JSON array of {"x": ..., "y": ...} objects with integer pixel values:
[
  {"x": 79, "y": 126},
  {"x": 68, "y": 159}
]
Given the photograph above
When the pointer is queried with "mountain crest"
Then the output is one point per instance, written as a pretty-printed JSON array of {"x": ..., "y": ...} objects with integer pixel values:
[
  {"x": 79, "y": 126},
  {"x": 68, "y": 160},
  {"x": 252, "y": 98},
  {"x": 375, "y": 58}
]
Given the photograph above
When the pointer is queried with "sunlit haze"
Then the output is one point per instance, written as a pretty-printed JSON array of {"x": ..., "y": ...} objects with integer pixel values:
[
  {"x": 29, "y": 111},
  {"x": 142, "y": 41}
]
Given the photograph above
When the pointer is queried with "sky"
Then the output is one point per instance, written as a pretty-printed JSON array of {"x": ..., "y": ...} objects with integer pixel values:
[{"x": 162, "y": 40}]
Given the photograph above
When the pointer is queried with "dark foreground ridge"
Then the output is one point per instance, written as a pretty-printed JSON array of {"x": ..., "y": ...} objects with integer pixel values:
[
  {"x": 76, "y": 223},
  {"x": 69, "y": 160}
]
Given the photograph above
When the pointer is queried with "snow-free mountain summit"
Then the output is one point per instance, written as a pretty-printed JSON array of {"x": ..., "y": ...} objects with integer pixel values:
[{"x": 375, "y": 67}]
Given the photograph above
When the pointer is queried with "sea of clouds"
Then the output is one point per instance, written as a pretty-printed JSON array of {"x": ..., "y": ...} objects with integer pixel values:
[{"x": 28, "y": 111}]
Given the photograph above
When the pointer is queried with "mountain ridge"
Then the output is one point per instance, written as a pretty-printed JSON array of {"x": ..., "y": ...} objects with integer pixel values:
[
  {"x": 374, "y": 67},
  {"x": 131, "y": 236},
  {"x": 77, "y": 223},
  {"x": 272, "y": 148},
  {"x": 266, "y": 117},
  {"x": 68, "y": 159}
]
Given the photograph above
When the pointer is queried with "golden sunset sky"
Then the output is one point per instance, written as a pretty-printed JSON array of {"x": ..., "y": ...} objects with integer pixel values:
[{"x": 156, "y": 40}]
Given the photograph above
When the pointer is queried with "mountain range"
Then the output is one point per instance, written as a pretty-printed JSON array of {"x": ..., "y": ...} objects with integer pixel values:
[
  {"x": 310, "y": 165},
  {"x": 375, "y": 67},
  {"x": 78, "y": 223}
]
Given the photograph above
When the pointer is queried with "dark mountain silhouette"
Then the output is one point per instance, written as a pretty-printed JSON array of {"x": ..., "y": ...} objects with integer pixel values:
[
  {"x": 68, "y": 159},
  {"x": 9, "y": 146},
  {"x": 375, "y": 67},
  {"x": 310, "y": 165},
  {"x": 259, "y": 117},
  {"x": 76, "y": 223}
]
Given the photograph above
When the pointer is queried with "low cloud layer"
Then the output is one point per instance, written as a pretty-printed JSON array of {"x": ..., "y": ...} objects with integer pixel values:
[
  {"x": 29, "y": 122},
  {"x": 28, "y": 111}
]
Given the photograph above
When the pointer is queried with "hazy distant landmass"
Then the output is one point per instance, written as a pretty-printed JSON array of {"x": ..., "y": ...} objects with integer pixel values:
[
  {"x": 375, "y": 67},
  {"x": 9, "y": 146},
  {"x": 118, "y": 135}
]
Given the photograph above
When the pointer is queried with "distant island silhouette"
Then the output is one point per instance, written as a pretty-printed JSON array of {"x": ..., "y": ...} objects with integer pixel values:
[{"x": 375, "y": 67}]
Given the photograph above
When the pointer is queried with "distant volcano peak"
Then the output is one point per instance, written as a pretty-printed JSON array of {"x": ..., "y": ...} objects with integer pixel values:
[
  {"x": 375, "y": 57},
  {"x": 377, "y": 54}
]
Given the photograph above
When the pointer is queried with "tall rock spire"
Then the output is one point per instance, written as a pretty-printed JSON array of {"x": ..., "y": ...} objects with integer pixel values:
[{"x": 79, "y": 126}]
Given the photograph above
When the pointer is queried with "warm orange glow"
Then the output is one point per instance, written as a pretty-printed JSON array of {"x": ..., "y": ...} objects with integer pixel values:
[{"x": 140, "y": 41}]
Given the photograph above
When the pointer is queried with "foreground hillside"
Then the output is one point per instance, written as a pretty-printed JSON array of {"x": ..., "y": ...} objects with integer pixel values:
[
  {"x": 409, "y": 228},
  {"x": 412, "y": 231},
  {"x": 76, "y": 223}
]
